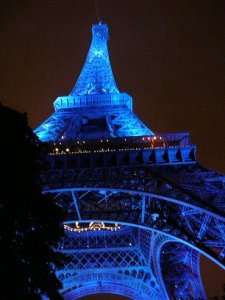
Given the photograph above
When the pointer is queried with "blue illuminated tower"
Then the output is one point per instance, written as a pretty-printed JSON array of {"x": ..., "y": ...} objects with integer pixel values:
[{"x": 139, "y": 208}]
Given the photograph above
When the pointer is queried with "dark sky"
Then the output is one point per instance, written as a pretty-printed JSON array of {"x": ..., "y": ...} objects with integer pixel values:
[{"x": 169, "y": 55}]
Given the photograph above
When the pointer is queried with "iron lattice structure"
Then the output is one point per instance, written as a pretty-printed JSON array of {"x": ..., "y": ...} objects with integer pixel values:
[{"x": 139, "y": 208}]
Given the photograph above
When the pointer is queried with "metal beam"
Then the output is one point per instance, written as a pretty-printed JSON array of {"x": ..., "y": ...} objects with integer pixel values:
[{"x": 76, "y": 205}]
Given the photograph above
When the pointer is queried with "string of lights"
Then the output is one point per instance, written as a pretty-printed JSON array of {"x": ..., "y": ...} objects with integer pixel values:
[{"x": 92, "y": 226}]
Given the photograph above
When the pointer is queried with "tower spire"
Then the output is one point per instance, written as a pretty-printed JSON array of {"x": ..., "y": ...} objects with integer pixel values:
[
  {"x": 96, "y": 76},
  {"x": 97, "y": 10}
]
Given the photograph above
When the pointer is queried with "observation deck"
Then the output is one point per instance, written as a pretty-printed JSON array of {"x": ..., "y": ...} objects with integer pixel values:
[
  {"x": 99, "y": 100},
  {"x": 146, "y": 150}
]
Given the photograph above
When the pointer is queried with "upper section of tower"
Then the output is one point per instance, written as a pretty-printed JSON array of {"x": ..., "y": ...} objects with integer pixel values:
[
  {"x": 95, "y": 108},
  {"x": 96, "y": 122},
  {"x": 96, "y": 76},
  {"x": 96, "y": 85}
]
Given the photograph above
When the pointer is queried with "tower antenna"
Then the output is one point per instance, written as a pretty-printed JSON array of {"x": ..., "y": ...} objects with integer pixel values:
[{"x": 97, "y": 11}]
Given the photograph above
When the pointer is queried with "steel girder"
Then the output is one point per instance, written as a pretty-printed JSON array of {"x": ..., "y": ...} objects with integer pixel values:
[
  {"x": 70, "y": 124},
  {"x": 177, "y": 268},
  {"x": 132, "y": 262},
  {"x": 101, "y": 262},
  {"x": 140, "y": 196},
  {"x": 174, "y": 224}
]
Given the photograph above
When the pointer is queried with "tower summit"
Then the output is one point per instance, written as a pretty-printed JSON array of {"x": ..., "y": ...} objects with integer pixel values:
[
  {"x": 139, "y": 208},
  {"x": 96, "y": 76}
]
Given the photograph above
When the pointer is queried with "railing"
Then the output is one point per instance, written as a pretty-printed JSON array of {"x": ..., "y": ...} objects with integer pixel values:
[
  {"x": 163, "y": 141},
  {"x": 93, "y": 100}
]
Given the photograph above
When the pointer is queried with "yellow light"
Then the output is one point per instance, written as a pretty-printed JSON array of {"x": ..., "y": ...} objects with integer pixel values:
[{"x": 92, "y": 226}]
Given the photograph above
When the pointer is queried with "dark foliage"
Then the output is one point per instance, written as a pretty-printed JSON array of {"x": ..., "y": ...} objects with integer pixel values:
[{"x": 31, "y": 224}]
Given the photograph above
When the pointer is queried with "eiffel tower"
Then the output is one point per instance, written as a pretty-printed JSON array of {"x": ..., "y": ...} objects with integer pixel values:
[{"x": 140, "y": 209}]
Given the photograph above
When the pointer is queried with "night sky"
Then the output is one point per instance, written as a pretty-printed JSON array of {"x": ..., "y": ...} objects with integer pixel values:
[{"x": 169, "y": 55}]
